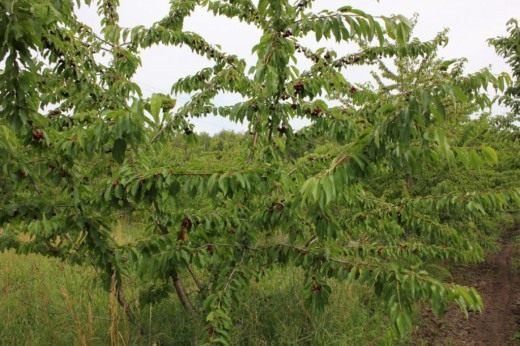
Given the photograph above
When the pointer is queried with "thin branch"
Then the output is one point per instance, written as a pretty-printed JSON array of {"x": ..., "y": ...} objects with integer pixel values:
[
  {"x": 181, "y": 293},
  {"x": 194, "y": 277}
]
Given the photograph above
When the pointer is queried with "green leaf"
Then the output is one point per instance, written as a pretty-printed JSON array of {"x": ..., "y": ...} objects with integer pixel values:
[
  {"x": 155, "y": 106},
  {"x": 490, "y": 154},
  {"x": 327, "y": 184},
  {"x": 119, "y": 150}
]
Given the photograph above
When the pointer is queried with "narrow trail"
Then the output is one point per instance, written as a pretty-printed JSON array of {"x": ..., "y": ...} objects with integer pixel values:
[{"x": 499, "y": 323}]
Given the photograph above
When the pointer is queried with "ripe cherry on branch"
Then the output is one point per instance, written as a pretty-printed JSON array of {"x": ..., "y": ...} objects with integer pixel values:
[
  {"x": 316, "y": 112},
  {"x": 37, "y": 135},
  {"x": 299, "y": 87}
]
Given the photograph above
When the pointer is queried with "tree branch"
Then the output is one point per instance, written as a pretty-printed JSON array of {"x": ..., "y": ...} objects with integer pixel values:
[{"x": 181, "y": 293}]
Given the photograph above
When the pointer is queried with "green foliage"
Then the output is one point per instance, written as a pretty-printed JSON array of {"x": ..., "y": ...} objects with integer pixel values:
[
  {"x": 373, "y": 193},
  {"x": 509, "y": 48},
  {"x": 46, "y": 302}
]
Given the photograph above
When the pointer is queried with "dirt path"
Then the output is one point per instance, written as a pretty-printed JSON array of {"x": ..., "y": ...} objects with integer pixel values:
[{"x": 499, "y": 324}]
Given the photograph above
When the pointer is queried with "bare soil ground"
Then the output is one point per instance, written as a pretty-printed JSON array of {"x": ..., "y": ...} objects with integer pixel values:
[{"x": 499, "y": 324}]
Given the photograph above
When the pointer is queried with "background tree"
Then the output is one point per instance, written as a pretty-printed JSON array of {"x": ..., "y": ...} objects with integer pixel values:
[{"x": 509, "y": 48}]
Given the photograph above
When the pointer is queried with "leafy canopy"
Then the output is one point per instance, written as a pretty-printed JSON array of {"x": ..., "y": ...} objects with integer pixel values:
[{"x": 369, "y": 192}]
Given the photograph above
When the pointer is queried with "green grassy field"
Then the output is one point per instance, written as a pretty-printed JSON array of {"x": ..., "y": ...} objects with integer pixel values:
[{"x": 46, "y": 302}]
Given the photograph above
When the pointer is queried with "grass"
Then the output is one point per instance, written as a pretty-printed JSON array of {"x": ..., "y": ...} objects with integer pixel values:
[
  {"x": 46, "y": 302},
  {"x": 274, "y": 314}
]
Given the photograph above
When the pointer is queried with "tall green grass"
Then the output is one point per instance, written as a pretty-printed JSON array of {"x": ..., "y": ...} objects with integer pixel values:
[{"x": 46, "y": 302}]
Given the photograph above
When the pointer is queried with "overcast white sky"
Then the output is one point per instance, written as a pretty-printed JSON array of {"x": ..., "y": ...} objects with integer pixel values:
[{"x": 471, "y": 23}]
